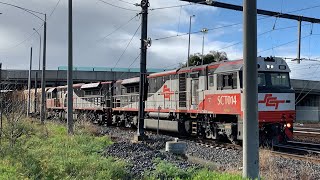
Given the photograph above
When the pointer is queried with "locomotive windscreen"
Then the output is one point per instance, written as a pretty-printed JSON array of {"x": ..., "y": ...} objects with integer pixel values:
[{"x": 272, "y": 80}]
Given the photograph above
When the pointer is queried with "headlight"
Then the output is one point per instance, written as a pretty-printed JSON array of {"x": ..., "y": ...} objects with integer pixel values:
[{"x": 289, "y": 125}]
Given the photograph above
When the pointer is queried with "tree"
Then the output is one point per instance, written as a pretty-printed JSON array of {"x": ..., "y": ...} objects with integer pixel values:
[
  {"x": 212, "y": 56},
  {"x": 215, "y": 56}
]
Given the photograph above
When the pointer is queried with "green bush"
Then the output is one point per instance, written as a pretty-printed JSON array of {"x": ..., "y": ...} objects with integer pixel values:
[
  {"x": 206, "y": 174},
  {"x": 50, "y": 154},
  {"x": 166, "y": 171}
]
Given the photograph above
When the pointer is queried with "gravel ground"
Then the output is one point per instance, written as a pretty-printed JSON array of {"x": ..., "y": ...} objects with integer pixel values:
[
  {"x": 275, "y": 167},
  {"x": 305, "y": 138},
  {"x": 142, "y": 156}
]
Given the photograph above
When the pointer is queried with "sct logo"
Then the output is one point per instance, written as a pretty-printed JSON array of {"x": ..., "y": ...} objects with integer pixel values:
[
  {"x": 166, "y": 92},
  {"x": 227, "y": 100},
  {"x": 271, "y": 101}
]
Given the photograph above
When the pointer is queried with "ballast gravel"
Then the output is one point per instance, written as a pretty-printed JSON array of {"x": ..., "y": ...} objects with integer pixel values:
[{"x": 142, "y": 157}]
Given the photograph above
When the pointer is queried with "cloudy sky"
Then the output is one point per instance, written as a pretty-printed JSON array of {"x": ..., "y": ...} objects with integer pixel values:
[{"x": 97, "y": 44}]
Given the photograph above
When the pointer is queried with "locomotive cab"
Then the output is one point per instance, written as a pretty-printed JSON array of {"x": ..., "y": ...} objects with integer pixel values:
[{"x": 276, "y": 101}]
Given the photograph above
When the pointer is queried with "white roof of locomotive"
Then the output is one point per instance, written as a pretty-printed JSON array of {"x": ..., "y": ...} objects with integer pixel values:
[
  {"x": 91, "y": 85},
  {"x": 264, "y": 64},
  {"x": 272, "y": 65},
  {"x": 131, "y": 80}
]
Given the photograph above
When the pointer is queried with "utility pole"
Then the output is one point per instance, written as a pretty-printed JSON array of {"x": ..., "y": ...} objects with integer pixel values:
[
  {"x": 189, "y": 40},
  {"x": 143, "y": 70},
  {"x": 43, "y": 79},
  {"x": 39, "y": 47},
  {"x": 204, "y": 31},
  {"x": 70, "y": 69},
  {"x": 1, "y": 104},
  {"x": 29, "y": 84},
  {"x": 35, "y": 93},
  {"x": 299, "y": 42},
  {"x": 250, "y": 92}
]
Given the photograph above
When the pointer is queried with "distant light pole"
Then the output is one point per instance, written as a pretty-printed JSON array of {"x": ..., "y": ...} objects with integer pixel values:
[
  {"x": 36, "y": 75},
  {"x": 29, "y": 84},
  {"x": 204, "y": 31},
  {"x": 43, "y": 78},
  {"x": 40, "y": 44},
  {"x": 189, "y": 40},
  {"x": 43, "y": 81}
]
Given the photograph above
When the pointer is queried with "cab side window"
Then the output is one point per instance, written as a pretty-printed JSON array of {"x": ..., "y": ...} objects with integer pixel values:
[
  {"x": 227, "y": 81},
  {"x": 211, "y": 80}
]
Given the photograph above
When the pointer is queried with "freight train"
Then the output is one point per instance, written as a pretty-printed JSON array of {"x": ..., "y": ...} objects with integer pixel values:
[{"x": 204, "y": 101}]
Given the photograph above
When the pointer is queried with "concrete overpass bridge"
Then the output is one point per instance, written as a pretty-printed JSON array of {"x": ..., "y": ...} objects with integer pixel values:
[{"x": 19, "y": 78}]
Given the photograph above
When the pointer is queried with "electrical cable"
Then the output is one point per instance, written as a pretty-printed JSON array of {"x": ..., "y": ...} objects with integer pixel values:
[
  {"x": 230, "y": 25},
  {"x": 32, "y": 34},
  {"x": 54, "y": 9},
  {"x": 168, "y": 7},
  {"x": 317, "y": 84},
  {"x": 283, "y": 44},
  {"x": 126, "y": 2},
  {"x": 306, "y": 85},
  {"x": 176, "y": 6},
  {"x": 258, "y": 36},
  {"x": 121, "y": 26},
  {"x": 179, "y": 21},
  {"x": 118, "y": 6},
  {"x": 127, "y": 46}
]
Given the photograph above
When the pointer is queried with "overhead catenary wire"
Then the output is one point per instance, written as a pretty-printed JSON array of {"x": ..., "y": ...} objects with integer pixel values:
[
  {"x": 54, "y": 9},
  {"x": 179, "y": 21},
  {"x": 234, "y": 44},
  {"x": 126, "y": 2},
  {"x": 127, "y": 46},
  {"x": 316, "y": 85},
  {"x": 286, "y": 43},
  {"x": 169, "y": 7},
  {"x": 235, "y": 24},
  {"x": 313, "y": 72},
  {"x": 123, "y": 8},
  {"x": 176, "y": 6},
  {"x": 120, "y": 27}
]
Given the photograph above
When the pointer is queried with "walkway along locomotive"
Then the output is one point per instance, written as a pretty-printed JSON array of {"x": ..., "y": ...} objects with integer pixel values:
[{"x": 200, "y": 100}]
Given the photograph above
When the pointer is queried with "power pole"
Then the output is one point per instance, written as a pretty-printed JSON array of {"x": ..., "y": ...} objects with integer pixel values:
[
  {"x": 204, "y": 31},
  {"x": 143, "y": 70},
  {"x": 250, "y": 92},
  {"x": 299, "y": 42},
  {"x": 70, "y": 69},
  {"x": 189, "y": 40},
  {"x": 43, "y": 78},
  {"x": 29, "y": 84},
  {"x": 35, "y": 92}
]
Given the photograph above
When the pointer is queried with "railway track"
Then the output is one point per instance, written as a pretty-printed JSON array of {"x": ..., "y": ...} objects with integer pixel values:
[
  {"x": 307, "y": 131},
  {"x": 298, "y": 148},
  {"x": 293, "y": 149}
]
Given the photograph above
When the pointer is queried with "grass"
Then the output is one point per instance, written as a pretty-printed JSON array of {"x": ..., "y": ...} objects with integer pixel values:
[
  {"x": 165, "y": 170},
  {"x": 48, "y": 153}
]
